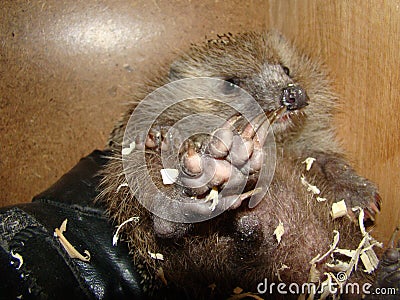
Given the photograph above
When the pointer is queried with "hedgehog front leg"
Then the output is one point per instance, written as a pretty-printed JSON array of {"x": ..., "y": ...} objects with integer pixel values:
[{"x": 343, "y": 183}]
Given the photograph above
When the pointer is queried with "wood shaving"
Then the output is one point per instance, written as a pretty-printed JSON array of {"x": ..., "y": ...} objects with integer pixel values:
[
  {"x": 374, "y": 243},
  {"x": 346, "y": 252},
  {"x": 333, "y": 246},
  {"x": 72, "y": 252},
  {"x": 360, "y": 219},
  {"x": 339, "y": 209},
  {"x": 309, "y": 162},
  {"x": 127, "y": 151},
  {"x": 169, "y": 176},
  {"x": 364, "y": 252},
  {"x": 279, "y": 231},
  {"x": 354, "y": 260},
  {"x": 369, "y": 267},
  {"x": 338, "y": 266},
  {"x": 157, "y": 256},
  {"x": 121, "y": 186},
  {"x": 320, "y": 199},
  {"x": 310, "y": 187},
  {"x": 365, "y": 245},
  {"x": 63, "y": 226},
  {"x": 19, "y": 258},
  {"x": 326, "y": 285},
  {"x": 314, "y": 274},
  {"x": 278, "y": 271},
  {"x": 369, "y": 258},
  {"x": 116, "y": 235},
  {"x": 336, "y": 279},
  {"x": 250, "y": 193}
]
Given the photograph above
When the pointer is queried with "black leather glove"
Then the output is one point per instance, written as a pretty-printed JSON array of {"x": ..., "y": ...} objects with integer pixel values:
[{"x": 34, "y": 264}]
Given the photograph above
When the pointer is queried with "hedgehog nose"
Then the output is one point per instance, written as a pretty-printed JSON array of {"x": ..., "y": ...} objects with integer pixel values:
[{"x": 294, "y": 97}]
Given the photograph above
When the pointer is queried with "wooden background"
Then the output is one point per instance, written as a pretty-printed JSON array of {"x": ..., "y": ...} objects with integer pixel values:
[
  {"x": 359, "y": 40},
  {"x": 67, "y": 67}
]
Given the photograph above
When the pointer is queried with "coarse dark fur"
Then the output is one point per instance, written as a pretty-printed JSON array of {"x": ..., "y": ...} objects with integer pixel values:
[{"x": 239, "y": 248}]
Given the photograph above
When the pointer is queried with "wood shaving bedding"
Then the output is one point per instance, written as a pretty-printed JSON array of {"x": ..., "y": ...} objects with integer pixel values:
[
  {"x": 157, "y": 256},
  {"x": 309, "y": 186},
  {"x": 127, "y": 151},
  {"x": 121, "y": 186},
  {"x": 309, "y": 162},
  {"x": 344, "y": 269},
  {"x": 72, "y": 252},
  {"x": 18, "y": 257},
  {"x": 116, "y": 235},
  {"x": 279, "y": 231},
  {"x": 339, "y": 209}
]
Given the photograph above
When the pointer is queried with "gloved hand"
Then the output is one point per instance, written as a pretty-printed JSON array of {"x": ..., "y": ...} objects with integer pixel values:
[{"x": 34, "y": 264}]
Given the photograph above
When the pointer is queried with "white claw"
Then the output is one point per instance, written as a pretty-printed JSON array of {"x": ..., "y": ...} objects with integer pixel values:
[{"x": 213, "y": 197}]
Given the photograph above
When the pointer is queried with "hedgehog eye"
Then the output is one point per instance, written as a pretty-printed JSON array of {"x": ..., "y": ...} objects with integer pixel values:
[
  {"x": 286, "y": 70},
  {"x": 230, "y": 85}
]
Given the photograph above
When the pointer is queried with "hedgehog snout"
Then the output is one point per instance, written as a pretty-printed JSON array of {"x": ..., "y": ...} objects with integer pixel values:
[{"x": 294, "y": 97}]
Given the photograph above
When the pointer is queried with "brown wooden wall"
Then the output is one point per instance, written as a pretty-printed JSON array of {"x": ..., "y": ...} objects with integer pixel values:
[
  {"x": 359, "y": 40},
  {"x": 67, "y": 67}
]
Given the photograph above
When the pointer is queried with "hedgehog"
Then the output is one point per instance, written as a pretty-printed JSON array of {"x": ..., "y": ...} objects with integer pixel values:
[{"x": 243, "y": 208}]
